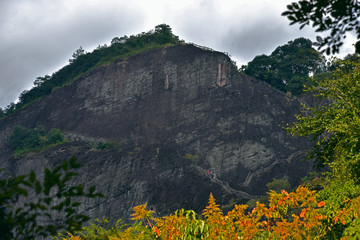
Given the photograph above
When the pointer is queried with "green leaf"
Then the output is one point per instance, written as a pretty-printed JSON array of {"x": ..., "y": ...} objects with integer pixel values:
[
  {"x": 76, "y": 204},
  {"x": 67, "y": 201},
  {"x": 65, "y": 165},
  {"x": 32, "y": 177},
  {"x": 73, "y": 163},
  {"x": 58, "y": 207},
  {"x": 38, "y": 187}
]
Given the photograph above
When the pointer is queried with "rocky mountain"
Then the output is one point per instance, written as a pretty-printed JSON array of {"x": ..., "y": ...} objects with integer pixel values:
[{"x": 178, "y": 112}]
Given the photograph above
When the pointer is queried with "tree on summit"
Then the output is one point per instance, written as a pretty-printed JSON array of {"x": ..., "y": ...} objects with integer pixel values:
[
  {"x": 164, "y": 34},
  {"x": 288, "y": 67},
  {"x": 79, "y": 52}
]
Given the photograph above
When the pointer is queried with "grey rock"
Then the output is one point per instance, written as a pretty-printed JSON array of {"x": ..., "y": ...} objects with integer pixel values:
[{"x": 164, "y": 104}]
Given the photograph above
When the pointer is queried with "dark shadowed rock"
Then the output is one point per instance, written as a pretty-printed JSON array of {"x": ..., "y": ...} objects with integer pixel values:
[{"x": 178, "y": 112}]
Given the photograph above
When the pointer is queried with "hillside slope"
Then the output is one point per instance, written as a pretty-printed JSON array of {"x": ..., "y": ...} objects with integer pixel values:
[{"x": 178, "y": 112}]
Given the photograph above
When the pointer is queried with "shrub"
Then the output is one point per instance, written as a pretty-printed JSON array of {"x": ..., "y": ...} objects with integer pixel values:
[
  {"x": 55, "y": 196},
  {"x": 25, "y": 140}
]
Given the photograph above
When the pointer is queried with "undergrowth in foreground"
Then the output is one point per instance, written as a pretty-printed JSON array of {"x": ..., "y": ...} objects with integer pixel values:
[{"x": 294, "y": 215}]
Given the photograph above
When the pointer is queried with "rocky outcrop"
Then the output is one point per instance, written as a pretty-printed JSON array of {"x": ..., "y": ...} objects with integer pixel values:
[{"x": 164, "y": 105}]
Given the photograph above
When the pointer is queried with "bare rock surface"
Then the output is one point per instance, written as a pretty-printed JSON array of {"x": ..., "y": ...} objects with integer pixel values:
[{"x": 164, "y": 105}]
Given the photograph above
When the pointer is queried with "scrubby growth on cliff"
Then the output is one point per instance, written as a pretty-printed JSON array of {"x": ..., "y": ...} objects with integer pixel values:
[
  {"x": 81, "y": 62},
  {"x": 24, "y": 140}
]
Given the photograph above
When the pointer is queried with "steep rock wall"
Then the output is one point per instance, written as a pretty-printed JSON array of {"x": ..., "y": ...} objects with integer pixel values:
[{"x": 162, "y": 105}]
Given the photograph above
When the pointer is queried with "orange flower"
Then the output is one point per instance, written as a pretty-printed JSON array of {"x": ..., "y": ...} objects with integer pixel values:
[
  {"x": 254, "y": 210},
  {"x": 284, "y": 192},
  {"x": 321, "y": 204},
  {"x": 303, "y": 213},
  {"x": 156, "y": 231},
  {"x": 320, "y": 217}
]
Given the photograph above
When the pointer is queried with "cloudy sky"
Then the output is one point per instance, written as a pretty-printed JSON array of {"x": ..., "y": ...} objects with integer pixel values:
[{"x": 37, "y": 37}]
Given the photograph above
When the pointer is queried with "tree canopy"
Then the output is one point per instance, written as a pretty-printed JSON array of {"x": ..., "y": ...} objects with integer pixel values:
[
  {"x": 288, "y": 67},
  {"x": 334, "y": 16}
]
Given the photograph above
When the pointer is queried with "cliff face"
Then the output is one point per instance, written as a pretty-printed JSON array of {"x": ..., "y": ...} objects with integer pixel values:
[{"x": 164, "y": 105}]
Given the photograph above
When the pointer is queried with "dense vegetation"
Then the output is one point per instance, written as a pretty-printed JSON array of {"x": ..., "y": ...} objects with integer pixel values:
[
  {"x": 83, "y": 62},
  {"x": 289, "y": 67},
  {"x": 31, "y": 207},
  {"x": 24, "y": 140},
  {"x": 262, "y": 222}
]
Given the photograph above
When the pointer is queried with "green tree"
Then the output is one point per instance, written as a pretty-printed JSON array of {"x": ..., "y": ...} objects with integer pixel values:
[
  {"x": 2, "y": 113},
  {"x": 288, "y": 67},
  {"x": 261, "y": 67},
  {"x": 279, "y": 184},
  {"x": 334, "y": 16},
  {"x": 54, "y": 208},
  {"x": 355, "y": 57},
  {"x": 334, "y": 125},
  {"x": 40, "y": 80},
  {"x": 163, "y": 33},
  {"x": 10, "y": 108},
  {"x": 79, "y": 52}
]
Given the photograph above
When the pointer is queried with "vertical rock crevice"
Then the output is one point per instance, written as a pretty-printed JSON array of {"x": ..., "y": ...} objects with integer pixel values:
[{"x": 221, "y": 75}]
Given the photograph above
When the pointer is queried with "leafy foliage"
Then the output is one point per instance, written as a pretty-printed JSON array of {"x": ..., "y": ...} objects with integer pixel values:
[
  {"x": 263, "y": 222},
  {"x": 278, "y": 184},
  {"x": 288, "y": 67},
  {"x": 24, "y": 140},
  {"x": 336, "y": 16},
  {"x": 106, "y": 145},
  {"x": 100, "y": 230},
  {"x": 54, "y": 207},
  {"x": 82, "y": 62},
  {"x": 335, "y": 126},
  {"x": 193, "y": 158}
]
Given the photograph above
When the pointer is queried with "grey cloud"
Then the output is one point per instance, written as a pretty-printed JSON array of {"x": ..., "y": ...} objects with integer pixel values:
[
  {"x": 244, "y": 33},
  {"x": 261, "y": 37},
  {"x": 41, "y": 41},
  {"x": 200, "y": 23}
]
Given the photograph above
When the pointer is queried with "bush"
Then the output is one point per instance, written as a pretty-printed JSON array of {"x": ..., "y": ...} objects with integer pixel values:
[
  {"x": 193, "y": 158},
  {"x": 54, "y": 197},
  {"x": 279, "y": 184},
  {"x": 25, "y": 140}
]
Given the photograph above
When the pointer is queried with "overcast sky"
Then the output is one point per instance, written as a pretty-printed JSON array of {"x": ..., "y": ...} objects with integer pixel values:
[{"x": 37, "y": 37}]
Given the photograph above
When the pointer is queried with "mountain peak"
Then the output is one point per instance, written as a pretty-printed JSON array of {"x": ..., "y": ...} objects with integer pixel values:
[{"x": 178, "y": 111}]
